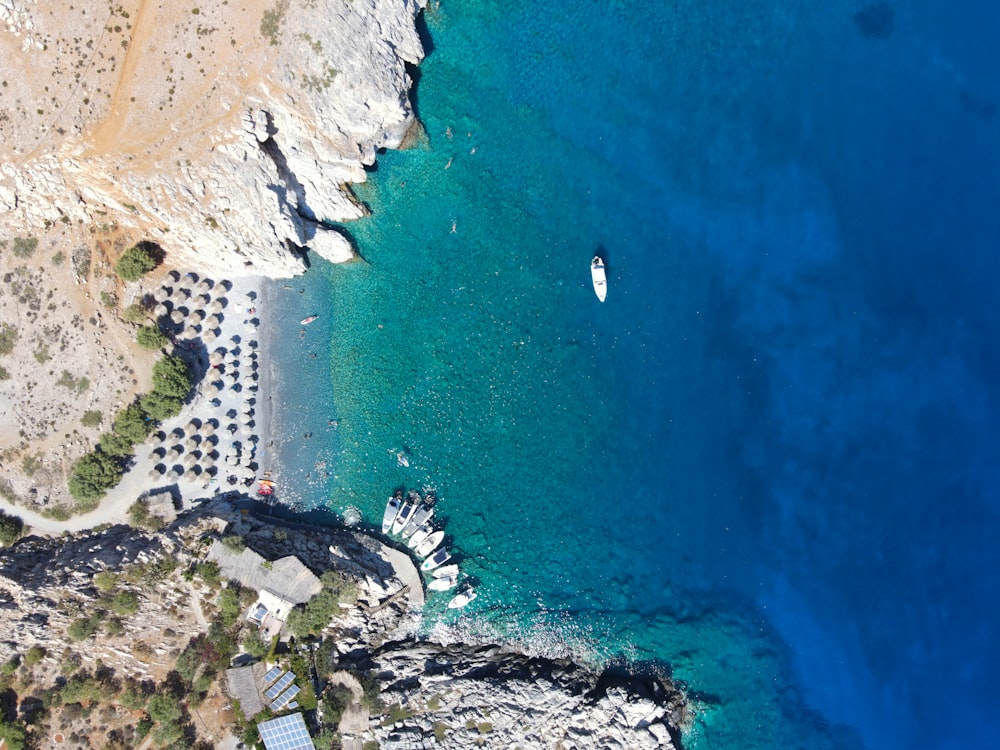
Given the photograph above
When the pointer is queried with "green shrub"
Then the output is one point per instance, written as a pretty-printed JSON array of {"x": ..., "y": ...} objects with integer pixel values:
[
  {"x": 34, "y": 655},
  {"x": 140, "y": 517},
  {"x": 4, "y": 373},
  {"x": 11, "y": 528},
  {"x": 229, "y": 606},
  {"x": 59, "y": 258},
  {"x": 134, "y": 313},
  {"x": 13, "y": 733},
  {"x": 8, "y": 335},
  {"x": 108, "y": 299},
  {"x": 125, "y": 603},
  {"x": 24, "y": 247},
  {"x": 208, "y": 571},
  {"x": 234, "y": 542},
  {"x": 137, "y": 261},
  {"x": 105, "y": 581},
  {"x": 151, "y": 337},
  {"x": 93, "y": 475},
  {"x": 91, "y": 419},
  {"x": 83, "y": 628},
  {"x": 254, "y": 645},
  {"x": 313, "y": 617}
]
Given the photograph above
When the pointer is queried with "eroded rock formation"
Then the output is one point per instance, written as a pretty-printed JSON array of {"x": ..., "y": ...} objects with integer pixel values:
[{"x": 227, "y": 132}]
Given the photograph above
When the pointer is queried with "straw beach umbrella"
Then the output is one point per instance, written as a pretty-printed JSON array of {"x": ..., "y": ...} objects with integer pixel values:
[
  {"x": 210, "y": 335},
  {"x": 177, "y": 472},
  {"x": 162, "y": 294},
  {"x": 191, "y": 474},
  {"x": 191, "y": 277},
  {"x": 191, "y": 444},
  {"x": 190, "y": 460},
  {"x": 161, "y": 310},
  {"x": 216, "y": 358},
  {"x": 177, "y": 317},
  {"x": 193, "y": 425},
  {"x": 176, "y": 451},
  {"x": 216, "y": 306}
]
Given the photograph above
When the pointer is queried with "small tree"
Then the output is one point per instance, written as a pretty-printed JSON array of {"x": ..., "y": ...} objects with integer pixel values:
[
  {"x": 115, "y": 445},
  {"x": 131, "y": 424},
  {"x": 137, "y": 261},
  {"x": 151, "y": 337},
  {"x": 134, "y": 313},
  {"x": 171, "y": 377},
  {"x": 159, "y": 406},
  {"x": 93, "y": 475}
]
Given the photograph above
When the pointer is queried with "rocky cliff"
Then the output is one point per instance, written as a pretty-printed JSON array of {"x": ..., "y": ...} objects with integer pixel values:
[
  {"x": 227, "y": 132},
  {"x": 430, "y": 695}
]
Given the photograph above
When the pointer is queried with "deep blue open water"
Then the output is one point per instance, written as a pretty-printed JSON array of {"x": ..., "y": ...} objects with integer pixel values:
[{"x": 769, "y": 461}]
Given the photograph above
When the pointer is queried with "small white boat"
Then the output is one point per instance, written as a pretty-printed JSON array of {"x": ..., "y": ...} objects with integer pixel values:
[
  {"x": 440, "y": 557},
  {"x": 462, "y": 599},
  {"x": 391, "y": 511},
  {"x": 419, "y": 535},
  {"x": 598, "y": 277},
  {"x": 425, "y": 547},
  {"x": 419, "y": 517},
  {"x": 403, "y": 517},
  {"x": 443, "y": 584},
  {"x": 446, "y": 570}
]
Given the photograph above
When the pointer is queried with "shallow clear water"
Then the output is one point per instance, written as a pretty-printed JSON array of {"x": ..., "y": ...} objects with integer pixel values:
[{"x": 768, "y": 459}]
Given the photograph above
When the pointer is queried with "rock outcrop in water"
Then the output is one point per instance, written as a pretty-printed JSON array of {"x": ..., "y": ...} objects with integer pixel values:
[
  {"x": 486, "y": 696},
  {"x": 226, "y": 132}
]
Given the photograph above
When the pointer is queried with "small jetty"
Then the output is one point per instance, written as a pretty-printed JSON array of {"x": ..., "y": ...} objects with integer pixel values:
[{"x": 407, "y": 517}]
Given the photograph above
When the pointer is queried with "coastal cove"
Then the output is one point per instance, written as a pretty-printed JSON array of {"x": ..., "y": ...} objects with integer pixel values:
[{"x": 762, "y": 463}]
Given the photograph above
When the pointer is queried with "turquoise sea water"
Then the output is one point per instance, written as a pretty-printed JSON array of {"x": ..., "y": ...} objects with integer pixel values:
[{"x": 768, "y": 461}]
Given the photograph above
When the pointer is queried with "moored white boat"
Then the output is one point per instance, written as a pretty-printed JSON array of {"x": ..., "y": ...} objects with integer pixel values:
[
  {"x": 420, "y": 515},
  {"x": 598, "y": 278},
  {"x": 440, "y": 557},
  {"x": 460, "y": 600},
  {"x": 443, "y": 584},
  {"x": 391, "y": 511},
  {"x": 403, "y": 517},
  {"x": 425, "y": 547},
  {"x": 446, "y": 570},
  {"x": 419, "y": 535}
]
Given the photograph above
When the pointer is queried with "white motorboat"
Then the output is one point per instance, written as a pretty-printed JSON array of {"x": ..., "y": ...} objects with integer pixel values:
[
  {"x": 598, "y": 277},
  {"x": 446, "y": 570},
  {"x": 425, "y": 547},
  {"x": 419, "y": 517},
  {"x": 462, "y": 599},
  {"x": 419, "y": 535},
  {"x": 403, "y": 517},
  {"x": 443, "y": 584},
  {"x": 391, "y": 511},
  {"x": 440, "y": 557}
]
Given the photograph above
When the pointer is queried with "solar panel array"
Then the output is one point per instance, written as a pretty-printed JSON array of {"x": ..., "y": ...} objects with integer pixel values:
[
  {"x": 275, "y": 690},
  {"x": 285, "y": 733},
  {"x": 272, "y": 675},
  {"x": 285, "y": 697}
]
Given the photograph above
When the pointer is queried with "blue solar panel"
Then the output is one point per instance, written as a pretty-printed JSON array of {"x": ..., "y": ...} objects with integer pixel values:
[
  {"x": 272, "y": 675},
  {"x": 275, "y": 690},
  {"x": 285, "y": 697},
  {"x": 285, "y": 733}
]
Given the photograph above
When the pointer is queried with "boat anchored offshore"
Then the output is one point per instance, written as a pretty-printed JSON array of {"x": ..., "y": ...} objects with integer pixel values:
[
  {"x": 391, "y": 511},
  {"x": 420, "y": 516},
  {"x": 446, "y": 570},
  {"x": 403, "y": 517},
  {"x": 425, "y": 547},
  {"x": 597, "y": 276},
  {"x": 419, "y": 535},
  {"x": 460, "y": 600},
  {"x": 440, "y": 557},
  {"x": 307, "y": 321},
  {"x": 443, "y": 584}
]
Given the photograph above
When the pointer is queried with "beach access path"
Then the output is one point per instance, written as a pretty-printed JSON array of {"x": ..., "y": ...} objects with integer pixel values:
[{"x": 237, "y": 329}]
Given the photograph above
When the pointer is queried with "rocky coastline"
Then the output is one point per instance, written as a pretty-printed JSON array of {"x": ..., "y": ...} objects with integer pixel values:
[{"x": 430, "y": 695}]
